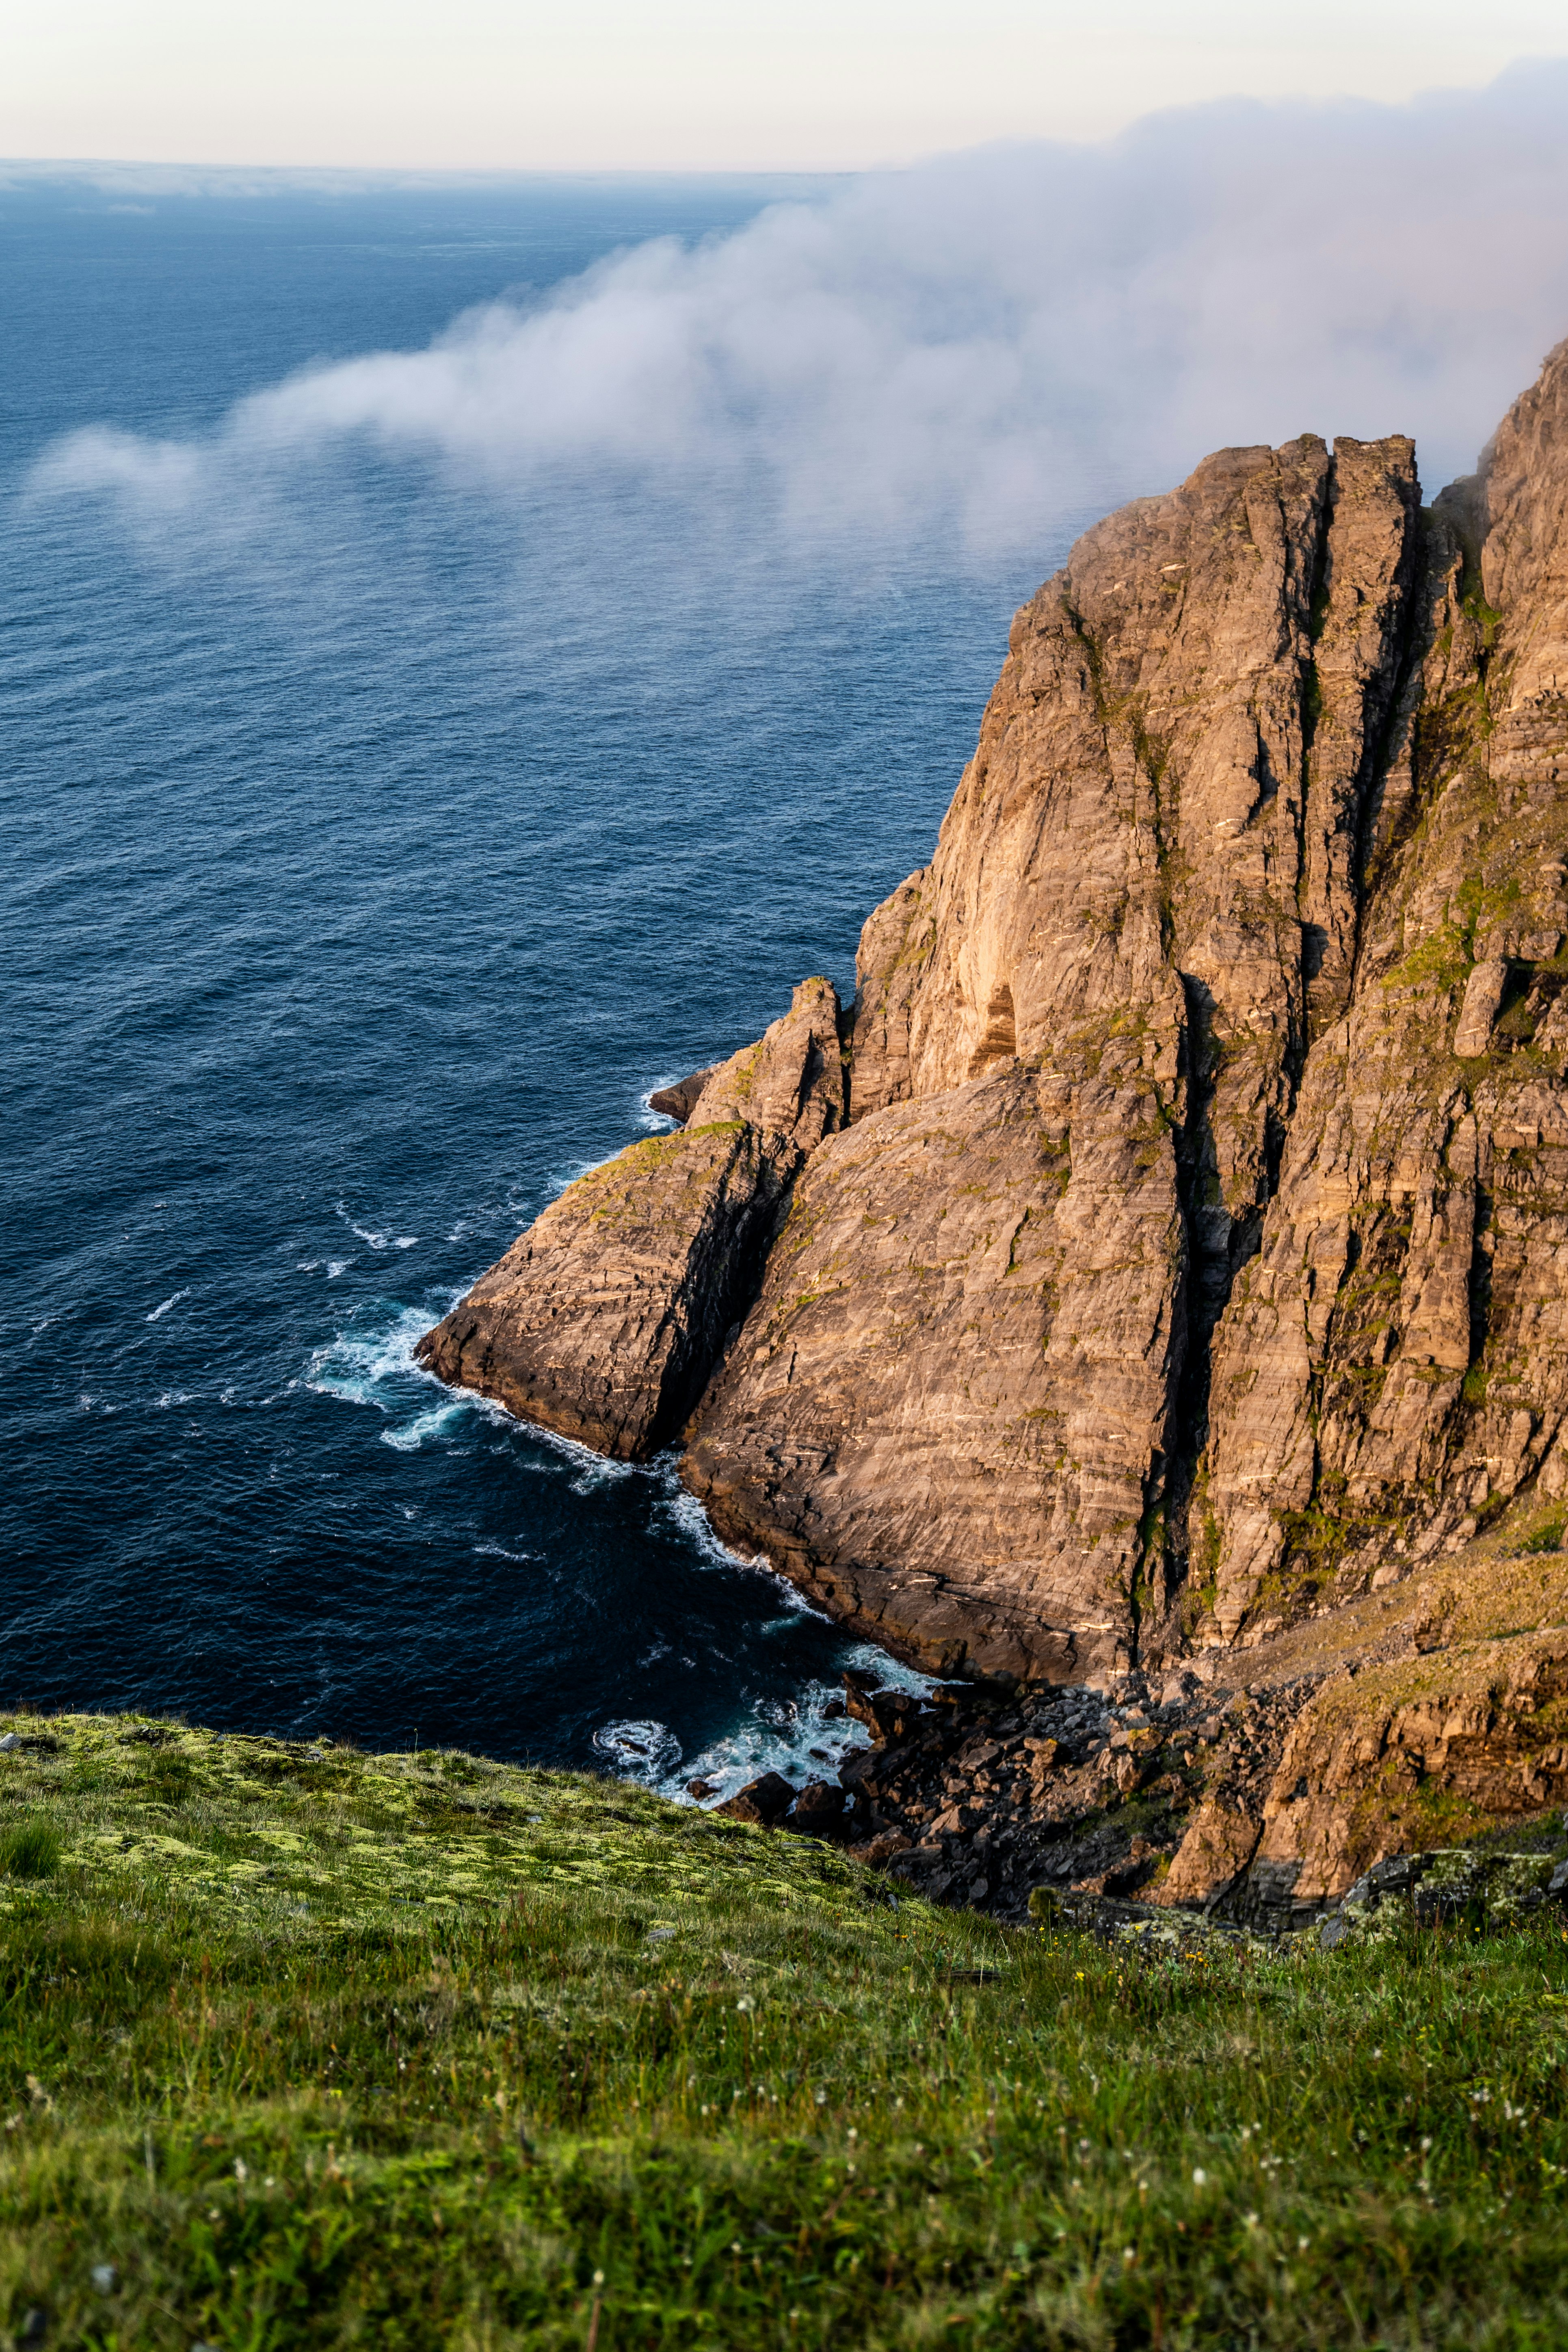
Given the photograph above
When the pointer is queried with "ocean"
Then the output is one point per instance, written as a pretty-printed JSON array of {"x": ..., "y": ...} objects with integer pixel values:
[{"x": 373, "y": 849}]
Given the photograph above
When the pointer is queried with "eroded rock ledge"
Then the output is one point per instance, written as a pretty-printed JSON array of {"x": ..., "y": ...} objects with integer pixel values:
[{"x": 1170, "y": 1244}]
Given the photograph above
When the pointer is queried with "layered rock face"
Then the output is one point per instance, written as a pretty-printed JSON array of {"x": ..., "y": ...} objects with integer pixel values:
[
  {"x": 1172, "y": 1242},
  {"x": 604, "y": 1319},
  {"x": 906, "y": 1422},
  {"x": 1392, "y": 1366}
]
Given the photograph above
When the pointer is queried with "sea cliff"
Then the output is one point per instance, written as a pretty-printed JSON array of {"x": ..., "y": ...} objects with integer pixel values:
[{"x": 1163, "y": 1254}]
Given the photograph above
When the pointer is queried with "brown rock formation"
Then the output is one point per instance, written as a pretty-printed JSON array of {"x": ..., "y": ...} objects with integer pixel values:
[
  {"x": 1185, "y": 1247},
  {"x": 1393, "y": 1365},
  {"x": 677, "y": 1102},
  {"x": 1259, "y": 1784},
  {"x": 911, "y": 1423},
  {"x": 604, "y": 1321},
  {"x": 1143, "y": 904}
]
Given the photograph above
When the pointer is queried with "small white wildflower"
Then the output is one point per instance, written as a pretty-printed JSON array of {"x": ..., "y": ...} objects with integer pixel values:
[
  {"x": 822, "y": 2098},
  {"x": 1199, "y": 2176},
  {"x": 240, "y": 2172},
  {"x": 1250, "y": 2220},
  {"x": 745, "y": 2004},
  {"x": 1302, "y": 2244},
  {"x": 1129, "y": 2255},
  {"x": 598, "y": 2278},
  {"x": 104, "y": 2276}
]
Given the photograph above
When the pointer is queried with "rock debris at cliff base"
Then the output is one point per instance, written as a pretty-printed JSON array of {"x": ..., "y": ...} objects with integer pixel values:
[
  {"x": 1170, "y": 1244},
  {"x": 1260, "y": 1786}
]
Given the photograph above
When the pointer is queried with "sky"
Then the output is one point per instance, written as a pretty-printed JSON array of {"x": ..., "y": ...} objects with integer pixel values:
[{"x": 735, "y": 85}]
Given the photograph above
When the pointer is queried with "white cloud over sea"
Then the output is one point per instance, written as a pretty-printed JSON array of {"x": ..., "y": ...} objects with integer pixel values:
[{"x": 952, "y": 356}]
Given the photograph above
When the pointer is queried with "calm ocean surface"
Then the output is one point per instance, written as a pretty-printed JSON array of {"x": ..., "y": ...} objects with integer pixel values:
[{"x": 360, "y": 878}]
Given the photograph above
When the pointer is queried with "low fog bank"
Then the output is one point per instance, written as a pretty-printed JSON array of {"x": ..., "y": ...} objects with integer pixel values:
[{"x": 948, "y": 361}]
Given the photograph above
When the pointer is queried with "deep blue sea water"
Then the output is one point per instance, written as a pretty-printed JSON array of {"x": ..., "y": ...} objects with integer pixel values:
[{"x": 361, "y": 877}]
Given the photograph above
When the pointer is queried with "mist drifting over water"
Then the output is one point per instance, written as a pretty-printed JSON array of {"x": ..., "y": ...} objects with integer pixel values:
[
  {"x": 416, "y": 754},
  {"x": 946, "y": 359}
]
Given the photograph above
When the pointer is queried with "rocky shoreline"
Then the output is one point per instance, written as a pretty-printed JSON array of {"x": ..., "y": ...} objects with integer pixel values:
[
  {"x": 1096, "y": 1806},
  {"x": 1255, "y": 1787}
]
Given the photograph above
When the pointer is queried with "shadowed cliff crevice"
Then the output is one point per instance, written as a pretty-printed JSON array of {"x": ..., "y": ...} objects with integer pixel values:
[{"x": 1216, "y": 1246}]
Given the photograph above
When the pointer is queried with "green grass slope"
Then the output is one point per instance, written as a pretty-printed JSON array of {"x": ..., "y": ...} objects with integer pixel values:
[{"x": 307, "y": 2047}]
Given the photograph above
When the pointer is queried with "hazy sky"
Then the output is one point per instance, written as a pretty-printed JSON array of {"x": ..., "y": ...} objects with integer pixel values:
[{"x": 734, "y": 84}]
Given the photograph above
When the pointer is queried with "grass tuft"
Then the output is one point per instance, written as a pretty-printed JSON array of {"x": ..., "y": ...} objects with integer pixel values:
[{"x": 30, "y": 1850}]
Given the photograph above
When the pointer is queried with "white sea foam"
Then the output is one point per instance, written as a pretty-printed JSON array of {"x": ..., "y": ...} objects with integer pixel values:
[
  {"x": 159, "y": 1312},
  {"x": 640, "y": 1750},
  {"x": 357, "y": 1365},
  {"x": 425, "y": 1427},
  {"x": 593, "y": 1469},
  {"x": 500, "y": 1552},
  {"x": 374, "y": 1240},
  {"x": 561, "y": 1180},
  {"x": 656, "y": 1122},
  {"x": 795, "y": 1739},
  {"x": 686, "y": 1512}
]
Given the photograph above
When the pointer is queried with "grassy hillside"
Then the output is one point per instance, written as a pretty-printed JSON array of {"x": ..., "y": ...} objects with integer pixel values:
[{"x": 305, "y": 2047}]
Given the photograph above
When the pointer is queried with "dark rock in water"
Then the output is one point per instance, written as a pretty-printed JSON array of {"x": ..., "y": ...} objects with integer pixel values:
[
  {"x": 766, "y": 1800},
  {"x": 700, "y": 1789},
  {"x": 887, "y": 1713},
  {"x": 678, "y": 1101}
]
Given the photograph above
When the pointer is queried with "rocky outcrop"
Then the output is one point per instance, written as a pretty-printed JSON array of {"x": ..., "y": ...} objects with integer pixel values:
[
  {"x": 605, "y": 1320},
  {"x": 1143, "y": 905},
  {"x": 680, "y": 1101},
  {"x": 1393, "y": 1365},
  {"x": 1182, "y": 1249}
]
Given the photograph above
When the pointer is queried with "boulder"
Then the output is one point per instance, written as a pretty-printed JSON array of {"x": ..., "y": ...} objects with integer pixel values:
[{"x": 766, "y": 1800}]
